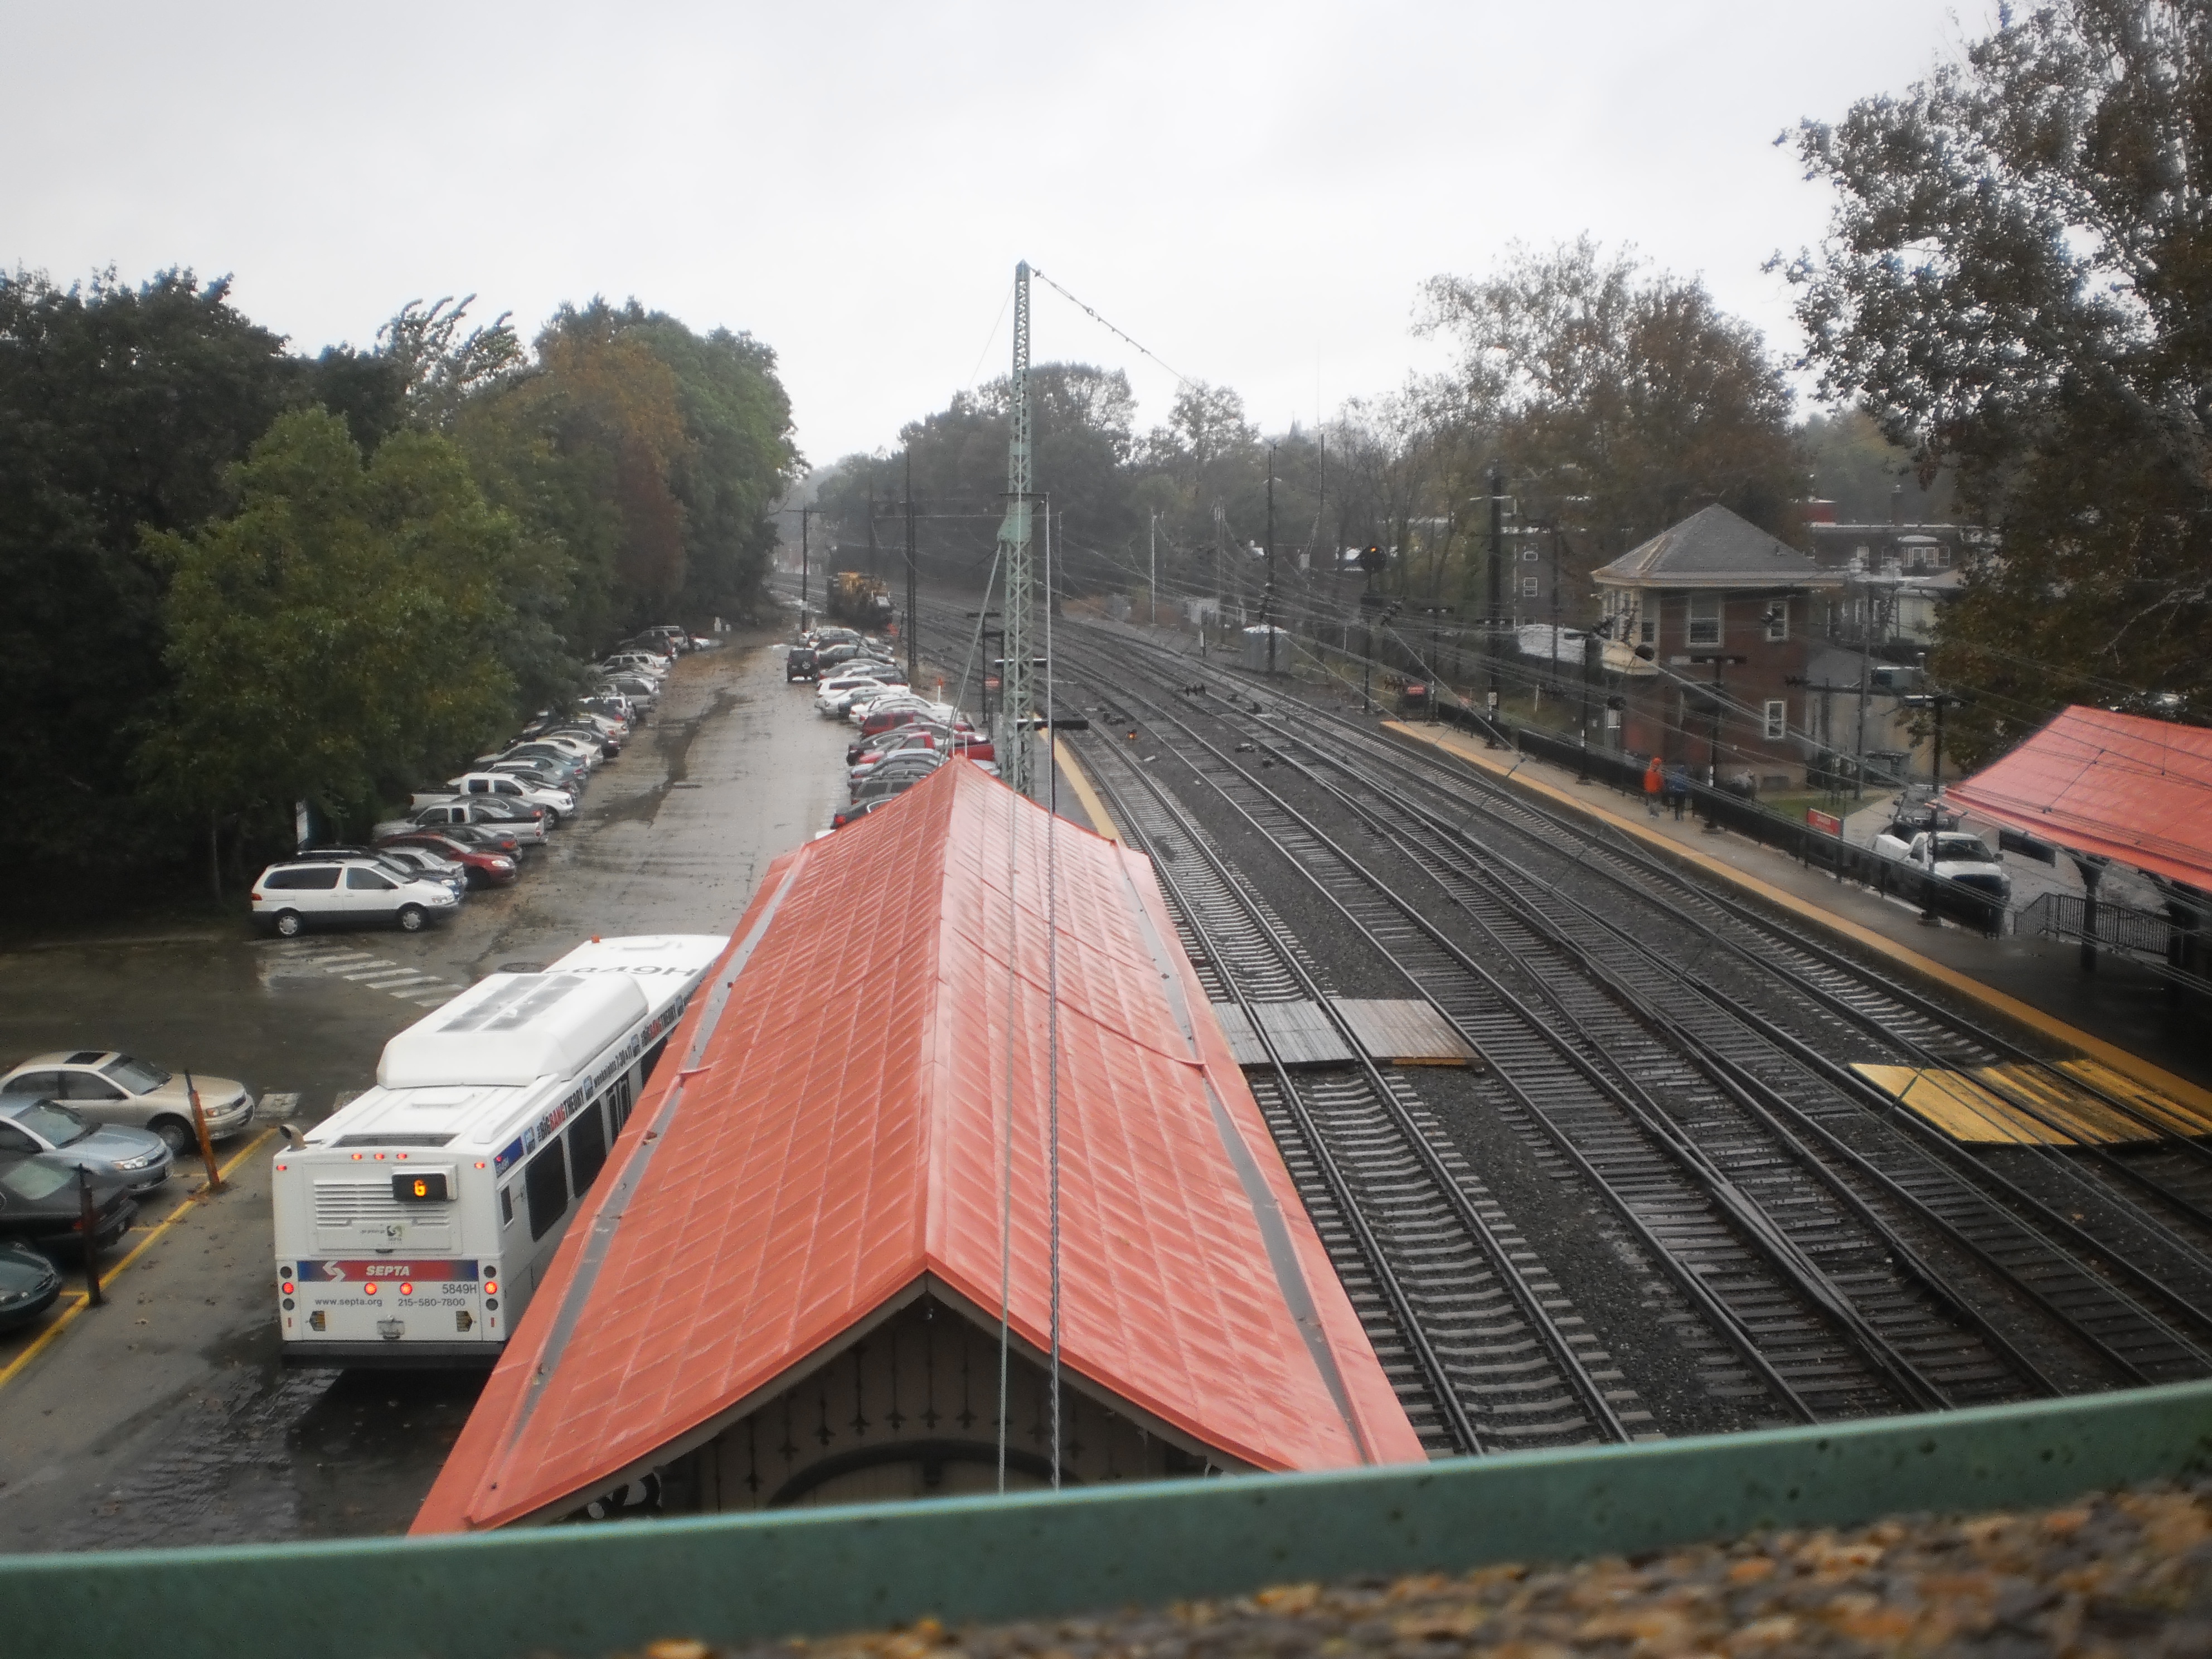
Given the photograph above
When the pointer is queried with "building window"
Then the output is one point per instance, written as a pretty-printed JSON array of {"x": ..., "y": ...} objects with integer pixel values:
[
  {"x": 1705, "y": 619},
  {"x": 1777, "y": 619},
  {"x": 1530, "y": 586},
  {"x": 1647, "y": 631},
  {"x": 1530, "y": 555},
  {"x": 1778, "y": 720}
]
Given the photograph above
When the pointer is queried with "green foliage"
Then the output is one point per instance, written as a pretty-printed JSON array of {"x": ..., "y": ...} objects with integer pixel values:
[
  {"x": 643, "y": 461},
  {"x": 2016, "y": 282},
  {"x": 332, "y": 640},
  {"x": 120, "y": 408},
  {"x": 1620, "y": 402},
  {"x": 1869, "y": 478}
]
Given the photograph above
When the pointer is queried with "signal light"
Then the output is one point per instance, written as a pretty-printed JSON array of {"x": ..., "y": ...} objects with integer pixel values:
[
  {"x": 491, "y": 1287},
  {"x": 406, "y": 1290},
  {"x": 287, "y": 1287},
  {"x": 368, "y": 1289}
]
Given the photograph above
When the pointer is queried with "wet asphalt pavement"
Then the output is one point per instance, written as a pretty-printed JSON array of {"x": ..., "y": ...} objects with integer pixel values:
[{"x": 165, "y": 1417}]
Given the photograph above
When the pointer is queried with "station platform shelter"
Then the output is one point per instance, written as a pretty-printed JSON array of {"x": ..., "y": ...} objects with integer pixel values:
[
  {"x": 788, "y": 1286},
  {"x": 2108, "y": 788}
]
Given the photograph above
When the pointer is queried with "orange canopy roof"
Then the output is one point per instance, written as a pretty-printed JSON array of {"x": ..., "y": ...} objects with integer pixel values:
[
  {"x": 825, "y": 1132},
  {"x": 2135, "y": 791}
]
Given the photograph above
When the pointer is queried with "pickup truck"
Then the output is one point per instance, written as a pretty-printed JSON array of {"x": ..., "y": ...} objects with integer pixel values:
[
  {"x": 1952, "y": 854},
  {"x": 527, "y": 832},
  {"x": 558, "y": 803}
]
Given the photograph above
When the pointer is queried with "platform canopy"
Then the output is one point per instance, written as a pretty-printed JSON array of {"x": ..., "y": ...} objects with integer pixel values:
[
  {"x": 823, "y": 1144},
  {"x": 2118, "y": 787}
]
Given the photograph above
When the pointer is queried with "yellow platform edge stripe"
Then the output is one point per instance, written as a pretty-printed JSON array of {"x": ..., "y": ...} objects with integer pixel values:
[
  {"x": 2130, "y": 1066},
  {"x": 1080, "y": 781}
]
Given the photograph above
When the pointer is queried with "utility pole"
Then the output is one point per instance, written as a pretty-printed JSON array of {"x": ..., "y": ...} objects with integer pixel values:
[
  {"x": 804, "y": 514},
  {"x": 1496, "y": 600},
  {"x": 1016, "y": 677},
  {"x": 912, "y": 667},
  {"x": 875, "y": 567},
  {"x": 1554, "y": 669},
  {"x": 1153, "y": 581},
  {"x": 1268, "y": 609}
]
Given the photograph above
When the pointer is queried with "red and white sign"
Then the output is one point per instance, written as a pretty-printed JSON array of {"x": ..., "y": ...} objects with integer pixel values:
[{"x": 1826, "y": 823}]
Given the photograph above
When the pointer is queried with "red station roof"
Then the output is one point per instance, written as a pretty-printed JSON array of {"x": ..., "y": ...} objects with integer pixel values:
[
  {"x": 2135, "y": 791},
  {"x": 824, "y": 1133}
]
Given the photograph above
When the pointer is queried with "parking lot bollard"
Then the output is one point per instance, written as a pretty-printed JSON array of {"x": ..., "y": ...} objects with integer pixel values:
[
  {"x": 90, "y": 1220},
  {"x": 207, "y": 1147}
]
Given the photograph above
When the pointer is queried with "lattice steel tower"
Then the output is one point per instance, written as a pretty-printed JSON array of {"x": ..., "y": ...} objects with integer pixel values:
[{"x": 1017, "y": 679}]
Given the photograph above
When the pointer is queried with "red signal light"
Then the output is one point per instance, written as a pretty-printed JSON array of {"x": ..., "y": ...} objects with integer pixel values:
[
  {"x": 406, "y": 1290},
  {"x": 288, "y": 1287},
  {"x": 368, "y": 1290}
]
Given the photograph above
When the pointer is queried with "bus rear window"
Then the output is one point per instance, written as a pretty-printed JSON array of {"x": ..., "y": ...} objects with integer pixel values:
[
  {"x": 587, "y": 1147},
  {"x": 546, "y": 1183}
]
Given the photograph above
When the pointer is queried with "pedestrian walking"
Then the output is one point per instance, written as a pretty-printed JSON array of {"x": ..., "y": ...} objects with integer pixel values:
[
  {"x": 1654, "y": 780},
  {"x": 1678, "y": 788}
]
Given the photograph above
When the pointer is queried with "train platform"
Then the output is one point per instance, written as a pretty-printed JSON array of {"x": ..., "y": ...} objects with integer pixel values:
[{"x": 2121, "y": 1014}]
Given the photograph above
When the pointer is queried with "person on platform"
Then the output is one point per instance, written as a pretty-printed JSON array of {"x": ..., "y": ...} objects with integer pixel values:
[
  {"x": 1678, "y": 788},
  {"x": 1654, "y": 780}
]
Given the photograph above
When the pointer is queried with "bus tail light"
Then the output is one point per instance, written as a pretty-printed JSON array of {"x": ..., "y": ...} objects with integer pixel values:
[
  {"x": 406, "y": 1290},
  {"x": 491, "y": 1287}
]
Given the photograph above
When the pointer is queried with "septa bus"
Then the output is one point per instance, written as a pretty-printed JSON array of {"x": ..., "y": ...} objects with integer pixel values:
[{"x": 413, "y": 1223}]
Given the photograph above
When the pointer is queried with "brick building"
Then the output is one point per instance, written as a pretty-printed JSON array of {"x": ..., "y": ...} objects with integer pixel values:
[{"x": 1715, "y": 601}]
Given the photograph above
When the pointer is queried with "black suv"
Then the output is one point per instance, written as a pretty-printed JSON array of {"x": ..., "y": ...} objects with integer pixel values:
[{"x": 802, "y": 663}]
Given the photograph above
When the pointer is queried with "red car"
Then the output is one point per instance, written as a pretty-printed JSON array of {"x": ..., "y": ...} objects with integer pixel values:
[
  {"x": 869, "y": 742},
  {"x": 485, "y": 867}
]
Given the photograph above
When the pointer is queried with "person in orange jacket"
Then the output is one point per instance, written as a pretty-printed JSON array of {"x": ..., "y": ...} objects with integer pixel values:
[{"x": 1654, "y": 780}]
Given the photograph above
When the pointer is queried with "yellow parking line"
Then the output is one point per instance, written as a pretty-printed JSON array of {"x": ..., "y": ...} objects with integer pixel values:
[
  {"x": 38, "y": 1344},
  {"x": 2133, "y": 1066},
  {"x": 1078, "y": 780}
]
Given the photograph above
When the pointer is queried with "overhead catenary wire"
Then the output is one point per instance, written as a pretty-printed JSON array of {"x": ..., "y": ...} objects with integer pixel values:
[{"x": 1181, "y": 379}]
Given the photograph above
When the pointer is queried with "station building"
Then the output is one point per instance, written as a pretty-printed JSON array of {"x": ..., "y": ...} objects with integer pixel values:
[
  {"x": 1714, "y": 613},
  {"x": 786, "y": 1289}
]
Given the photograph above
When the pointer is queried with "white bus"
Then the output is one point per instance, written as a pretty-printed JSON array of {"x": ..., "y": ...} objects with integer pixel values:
[{"x": 413, "y": 1223}]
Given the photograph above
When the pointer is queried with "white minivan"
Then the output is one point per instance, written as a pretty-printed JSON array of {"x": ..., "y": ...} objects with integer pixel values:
[{"x": 294, "y": 894}]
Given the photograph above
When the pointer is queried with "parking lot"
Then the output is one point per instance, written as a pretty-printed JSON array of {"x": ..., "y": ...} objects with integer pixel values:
[{"x": 165, "y": 1417}]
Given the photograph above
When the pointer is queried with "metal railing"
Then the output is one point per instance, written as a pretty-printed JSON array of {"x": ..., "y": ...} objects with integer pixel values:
[{"x": 1985, "y": 913}]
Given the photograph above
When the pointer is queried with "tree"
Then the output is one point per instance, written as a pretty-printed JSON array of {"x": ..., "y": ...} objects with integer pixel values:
[
  {"x": 120, "y": 407},
  {"x": 2016, "y": 282},
  {"x": 1620, "y": 401},
  {"x": 332, "y": 640}
]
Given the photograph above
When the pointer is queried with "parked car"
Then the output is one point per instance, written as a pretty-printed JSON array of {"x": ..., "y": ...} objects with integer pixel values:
[
  {"x": 559, "y": 804},
  {"x": 28, "y": 1283},
  {"x": 108, "y": 1087},
  {"x": 833, "y": 697},
  {"x": 1952, "y": 855},
  {"x": 910, "y": 767},
  {"x": 40, "y": 1200},
  {"x": 857, "y": 811},
  {"x": 483, "y": 866},
  {"x": 299, "y": 893},
  {"x": 420, "y": 861},
  {"x": 520, "y": 832},
  {"x": 801, "y": 663},
  {"x": 544, "y": 770},
  {"x": 637, "y": 689},
  {"x": 139, "y": 1158}
]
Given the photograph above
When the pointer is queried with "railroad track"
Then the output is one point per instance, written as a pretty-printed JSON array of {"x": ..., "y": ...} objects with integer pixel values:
[
  {"x": 1479, "y": 1342},
  {"x": 1685, "y": 1065}
]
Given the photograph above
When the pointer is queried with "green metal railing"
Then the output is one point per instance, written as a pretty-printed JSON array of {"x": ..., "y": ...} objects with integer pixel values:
[{"x": 586, "y": 1590}]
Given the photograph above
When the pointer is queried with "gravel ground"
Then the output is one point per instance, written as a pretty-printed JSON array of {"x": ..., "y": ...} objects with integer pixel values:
[{"x": 2122, "y": 1574}]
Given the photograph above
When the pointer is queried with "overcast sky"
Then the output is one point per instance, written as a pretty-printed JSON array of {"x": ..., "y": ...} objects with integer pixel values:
[{"x": 1253, "y": 191}]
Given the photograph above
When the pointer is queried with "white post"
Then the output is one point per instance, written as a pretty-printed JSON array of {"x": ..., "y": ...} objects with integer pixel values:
[{"x": 1152, "y": 587}]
